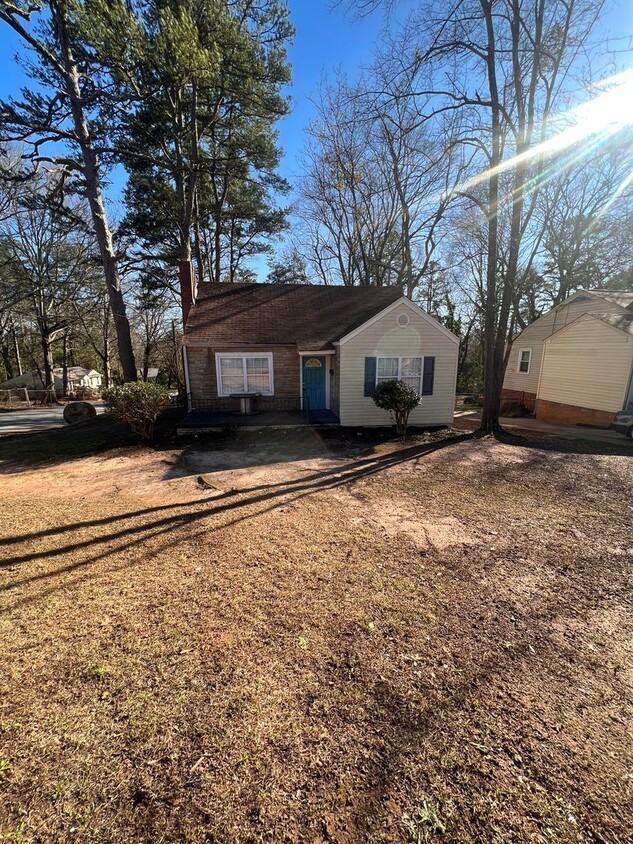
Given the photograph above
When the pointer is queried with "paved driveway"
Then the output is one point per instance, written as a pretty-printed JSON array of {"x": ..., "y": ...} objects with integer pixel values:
[
  {"x": 35, "y": 419},
  {"x": 575, "y": 432}
]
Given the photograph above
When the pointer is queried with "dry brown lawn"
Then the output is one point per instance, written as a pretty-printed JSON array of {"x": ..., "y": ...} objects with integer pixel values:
[{"x": 428, "y": 642}]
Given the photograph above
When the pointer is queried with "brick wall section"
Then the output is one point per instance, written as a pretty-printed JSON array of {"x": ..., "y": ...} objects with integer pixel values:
[
  {"x": 569, "y": 414},
  {"x": 528, "y": 400},
  {"x": 202, "y": 373}
]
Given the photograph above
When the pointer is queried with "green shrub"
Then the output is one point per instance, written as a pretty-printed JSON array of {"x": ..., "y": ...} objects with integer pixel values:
[
  {"x": 138, "y": 404},
  {"x": 399, "y": 399}
]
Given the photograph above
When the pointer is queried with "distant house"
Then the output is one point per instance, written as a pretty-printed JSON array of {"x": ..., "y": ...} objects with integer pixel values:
[
  {"x": 315, "y": 348},
  {"x": 32, "y": 380},
  {"x": 152, "y": 373},
  {"x": 575, "y": 363},
  {"x": 78, "y": 376}
]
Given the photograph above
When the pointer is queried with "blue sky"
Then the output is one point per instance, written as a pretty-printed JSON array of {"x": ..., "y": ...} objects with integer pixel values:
[{"x": 327, "y": 39}]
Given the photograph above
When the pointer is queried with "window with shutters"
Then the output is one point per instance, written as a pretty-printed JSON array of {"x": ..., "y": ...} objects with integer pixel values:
[
  {"x": 242, "y": 373},
  {"x": 407, "y": 369}
]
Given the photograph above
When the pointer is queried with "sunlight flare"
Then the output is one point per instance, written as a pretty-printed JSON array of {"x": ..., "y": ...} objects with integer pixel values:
[{"x": 588, "y": 126}]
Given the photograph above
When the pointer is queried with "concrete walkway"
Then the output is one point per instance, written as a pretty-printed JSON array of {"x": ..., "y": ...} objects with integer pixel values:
[
  {"x": 36, "y": 419},
  {"x": 574, "y": 432}
]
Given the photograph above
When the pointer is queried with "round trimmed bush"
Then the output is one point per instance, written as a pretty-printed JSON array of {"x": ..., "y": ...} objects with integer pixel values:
[{"x": 399, "y": 399}]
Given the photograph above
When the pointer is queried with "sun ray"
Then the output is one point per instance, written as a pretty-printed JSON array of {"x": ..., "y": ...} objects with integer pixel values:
[{"x": 589, "y": 126}]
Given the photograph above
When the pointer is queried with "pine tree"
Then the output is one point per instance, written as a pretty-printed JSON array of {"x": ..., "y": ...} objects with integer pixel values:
[
  {"x": 200, "y": 145},
  {"x": 61, "y": 119}
]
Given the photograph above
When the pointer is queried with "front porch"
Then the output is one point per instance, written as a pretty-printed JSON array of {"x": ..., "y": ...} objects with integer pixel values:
[{"x": 201, "y": 421}]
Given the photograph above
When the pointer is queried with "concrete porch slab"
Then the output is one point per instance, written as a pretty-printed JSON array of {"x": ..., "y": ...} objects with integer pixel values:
[{"x": 199, "y": 422}]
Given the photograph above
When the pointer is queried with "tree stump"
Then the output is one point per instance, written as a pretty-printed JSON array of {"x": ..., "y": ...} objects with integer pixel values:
[{"x": 78, "y": 411}]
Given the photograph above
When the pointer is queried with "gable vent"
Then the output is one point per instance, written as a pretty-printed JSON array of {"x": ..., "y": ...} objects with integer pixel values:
[{"x": 402, "y": 320}]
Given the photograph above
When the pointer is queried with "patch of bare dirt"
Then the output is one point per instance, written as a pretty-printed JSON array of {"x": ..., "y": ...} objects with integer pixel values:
[
  {"x": 405, "y": 516},
  {"x": 400, "y": 646}
]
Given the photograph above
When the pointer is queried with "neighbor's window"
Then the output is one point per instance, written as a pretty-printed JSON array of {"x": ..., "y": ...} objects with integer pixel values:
[
  {"x": 525, "y": 356},
  {"x": 238, "y": 373},
  {"x": 408, "y": 370}
]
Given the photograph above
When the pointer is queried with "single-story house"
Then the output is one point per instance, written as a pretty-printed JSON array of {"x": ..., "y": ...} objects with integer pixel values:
[
  {"x": 152, "y": 373},
  {"x": 32, "y": 380},
  {"x": 78, "y": 376},
  {"x": 575, "y": 363},
  {"x": 314, "y": 348}
]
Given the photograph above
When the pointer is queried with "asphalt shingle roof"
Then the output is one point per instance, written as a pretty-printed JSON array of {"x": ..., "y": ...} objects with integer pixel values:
[
  {"x": 308, "y": 315},
  {"x": 624, "y": 298},
  {"x": 622, "y": 321}
]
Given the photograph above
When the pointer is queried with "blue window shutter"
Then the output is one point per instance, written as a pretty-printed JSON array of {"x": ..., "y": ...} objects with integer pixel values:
[
  {"x": 370, "y": 376},
  {"x": 428, "y": 376}
]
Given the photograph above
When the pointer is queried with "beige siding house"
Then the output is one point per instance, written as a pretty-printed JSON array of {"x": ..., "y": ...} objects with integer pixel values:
[
  {"x": 311, "y": 350},
  {"x": 574, "y": 364},
  {"x": 400, "y": 330}
]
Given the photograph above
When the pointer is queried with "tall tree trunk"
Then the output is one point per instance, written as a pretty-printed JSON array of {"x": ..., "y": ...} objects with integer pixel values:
[
  {"x": 107, "y": 378},
  {"x": 16, "y": 350},
  {"x": 49, "y": 397},
  {"x": 65, "y": 365},
  {"x": 147, "y": 350},
  {"x": 6, "y": 360},
  {"x": 197, "y": 242},
  {"x": 217, "y": 250},
  {"x": 95, "y": 198},
  {"x": 492, "y": 385}
]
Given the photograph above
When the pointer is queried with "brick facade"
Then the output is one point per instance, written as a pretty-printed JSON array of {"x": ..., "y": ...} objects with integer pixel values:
[
  {"x": 519, "y": 397},
  {"x": 569, "y": 414},
  {"x": 203, "y": 379}
]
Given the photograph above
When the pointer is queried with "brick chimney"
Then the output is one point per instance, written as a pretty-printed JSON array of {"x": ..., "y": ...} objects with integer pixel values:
[{"x": 188, "y": 287}]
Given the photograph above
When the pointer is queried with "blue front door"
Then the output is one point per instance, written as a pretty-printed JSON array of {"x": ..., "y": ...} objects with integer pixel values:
[{"x": 314, "y": 374}]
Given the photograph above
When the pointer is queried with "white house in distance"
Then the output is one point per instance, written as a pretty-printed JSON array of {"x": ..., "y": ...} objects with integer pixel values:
[
  {"x": 575, "y": 364},
  {"x": 314, "y": 348},
  {"x": 78, "y": 377}
]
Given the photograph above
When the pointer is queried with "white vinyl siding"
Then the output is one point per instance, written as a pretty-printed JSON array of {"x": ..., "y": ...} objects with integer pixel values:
[
  {"x": 587, "y": 365},
  {"x": 243, "y": 373},
  {"x": 535, "y": 334},
  {"x": 383, "y": 338}
]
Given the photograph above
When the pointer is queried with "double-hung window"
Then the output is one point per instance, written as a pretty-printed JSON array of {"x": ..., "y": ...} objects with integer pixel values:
[
  {"x": 525, "y": 356},
  {"x": 244, "y": 373},
  {"x": 407, "y": 369}
]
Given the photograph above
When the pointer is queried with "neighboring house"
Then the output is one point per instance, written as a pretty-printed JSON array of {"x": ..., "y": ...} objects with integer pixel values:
[
  {"x": 575, "y": 363},
  {"x": 79, "y": 377},
  {"x": 152, "y": 373},
  {"x": 316, "y": 348},
  {"x": 32, "y": 380}
]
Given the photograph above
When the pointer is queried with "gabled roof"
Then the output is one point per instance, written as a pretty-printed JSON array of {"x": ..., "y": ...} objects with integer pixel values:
[
  {"x": 620, "y": 298},
  {"x": 623, "y": 298},
  {"x": 75, "y": 371},
  {"x": 623, "y": 322},
  {"x": 311, "y": 316}
]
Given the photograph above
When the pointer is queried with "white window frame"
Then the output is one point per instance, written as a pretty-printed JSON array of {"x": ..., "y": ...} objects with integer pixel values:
[
  {"x": 398, "y": 377},
  {"x": 244, "y": 356},
  {"x": 519, "y": 370}
]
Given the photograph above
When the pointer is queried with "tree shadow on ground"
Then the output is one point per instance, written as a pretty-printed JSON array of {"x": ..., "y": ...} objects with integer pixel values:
[
  {"x": 619, "y": 447},
  {"x": 265, "y": 497},
  {"x": 19, "y": 452}
]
